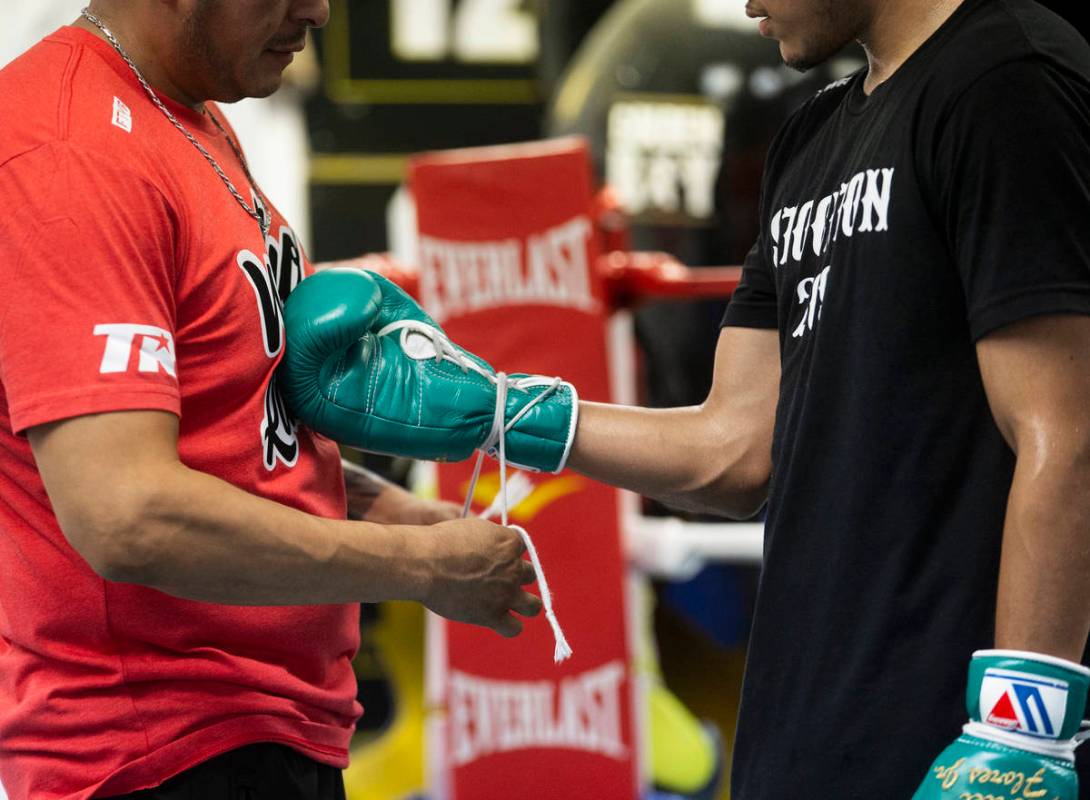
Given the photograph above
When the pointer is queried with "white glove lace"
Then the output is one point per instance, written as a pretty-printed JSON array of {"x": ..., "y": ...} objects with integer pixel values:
[
  {"x": 1084, "y": 732},
  {"x": 442, "y": 350}
]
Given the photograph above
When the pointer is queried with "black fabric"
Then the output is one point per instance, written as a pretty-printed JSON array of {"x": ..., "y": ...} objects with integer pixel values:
[
  {"x": 897, "y": 229},
  {"x": 255, "y": 772}
]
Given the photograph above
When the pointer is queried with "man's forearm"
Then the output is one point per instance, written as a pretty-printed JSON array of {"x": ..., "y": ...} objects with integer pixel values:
[
  {"x": 1043, "y": 605},
  {"x": 136, "y": 514},
  {"x": 204, "y": 539},
  {"x": 714, "y": 457},
  {"x": 685, "y": 457}
]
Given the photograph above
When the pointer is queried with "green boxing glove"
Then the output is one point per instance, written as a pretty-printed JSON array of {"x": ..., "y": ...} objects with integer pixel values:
[
  {"x": 365, "y": 366},
  {"x": 1025, "y": 710}
]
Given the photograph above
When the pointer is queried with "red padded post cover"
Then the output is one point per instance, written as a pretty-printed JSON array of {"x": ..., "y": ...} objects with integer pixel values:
[{"x": 506, "y": 265}]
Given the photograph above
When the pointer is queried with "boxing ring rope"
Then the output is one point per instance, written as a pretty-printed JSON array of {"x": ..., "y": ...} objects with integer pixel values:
[{"x": 678, "y": 549}]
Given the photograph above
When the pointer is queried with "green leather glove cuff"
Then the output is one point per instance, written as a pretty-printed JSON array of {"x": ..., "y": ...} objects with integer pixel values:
[
  {"x": 541, "y": 435},
  {"x": 1027, "y": 693}
]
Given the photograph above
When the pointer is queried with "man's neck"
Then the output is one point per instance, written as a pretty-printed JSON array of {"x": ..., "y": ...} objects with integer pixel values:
[
  {"x": 897, "y": 30},
  {"x": 142, "y": 53}
]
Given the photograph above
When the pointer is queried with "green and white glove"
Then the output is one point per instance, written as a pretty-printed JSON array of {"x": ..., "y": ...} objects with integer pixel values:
[
  {"x": 1025, "y": 710},
  {"x": 367, "y": 367}
]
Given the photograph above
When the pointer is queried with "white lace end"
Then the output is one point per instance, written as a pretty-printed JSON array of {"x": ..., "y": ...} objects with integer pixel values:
[{"x": 563, "y": 650}]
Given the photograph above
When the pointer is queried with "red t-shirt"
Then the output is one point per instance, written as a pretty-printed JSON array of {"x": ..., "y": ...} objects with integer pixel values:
[{"x": 132, "y": 279}]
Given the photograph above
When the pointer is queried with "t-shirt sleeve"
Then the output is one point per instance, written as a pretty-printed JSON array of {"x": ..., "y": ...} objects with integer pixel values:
[
  {"x": 753, "y": 304},
  {"x": 88, "y": 319},
  {"x": 1012, "y": 171}
]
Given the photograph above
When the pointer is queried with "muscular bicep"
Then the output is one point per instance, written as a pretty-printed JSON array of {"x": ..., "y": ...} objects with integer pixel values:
[
  {"x": 99, "y": 471},
  {"x": 741, "y": 406},
  {"x": 746, "y": 384},
  {"x": 1036, "y": 373},
  {"x": 1037, "y": 376}
]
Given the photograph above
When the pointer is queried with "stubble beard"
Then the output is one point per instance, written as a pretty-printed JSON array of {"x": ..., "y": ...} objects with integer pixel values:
[
  {"x": 814, "y": 55},
  {"x": 202, "y": 58},
  {"x": 842, "y": 24}
]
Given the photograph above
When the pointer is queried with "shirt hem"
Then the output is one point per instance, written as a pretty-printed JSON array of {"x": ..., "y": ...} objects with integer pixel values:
[
  {"x": 1054, "y": 300},
  {"x": 739, "y": 315},
  {"x": 79, "y": 403},
  {"x": 184, "y": 754}
]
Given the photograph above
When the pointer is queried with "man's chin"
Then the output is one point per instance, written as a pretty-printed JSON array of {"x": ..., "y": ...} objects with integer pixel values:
[
  {"x": 800, "y": 64},
  {"x": 266, "y": 89},
  {"x": 803, "y": 60},
  {"x": 255, "y": 89}
]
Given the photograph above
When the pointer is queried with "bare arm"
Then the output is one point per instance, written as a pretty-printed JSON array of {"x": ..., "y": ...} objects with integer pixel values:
[
  {"x": 713, "y": 457},
  {"x": 138, "y": 515},
  {"x": 375, "y": 499},
  {"x": 1037, "y": 376}
]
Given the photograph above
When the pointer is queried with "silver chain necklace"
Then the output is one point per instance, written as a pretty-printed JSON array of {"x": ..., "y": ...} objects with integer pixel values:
[{"x": 259, "y": 212}]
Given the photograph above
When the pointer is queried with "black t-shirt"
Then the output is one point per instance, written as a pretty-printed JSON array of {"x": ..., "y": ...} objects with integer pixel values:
[{"x": 897, "y": 230}]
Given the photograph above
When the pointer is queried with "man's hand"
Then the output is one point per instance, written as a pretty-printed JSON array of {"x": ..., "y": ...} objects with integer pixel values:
[{"x": 476, "y": 574}]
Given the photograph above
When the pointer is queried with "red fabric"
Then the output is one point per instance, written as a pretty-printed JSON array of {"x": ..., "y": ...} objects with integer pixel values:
[{"x": 107, "y": 688}]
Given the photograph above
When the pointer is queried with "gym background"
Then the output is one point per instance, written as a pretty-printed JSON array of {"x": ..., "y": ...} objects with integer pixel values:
[
  {"x": 402, "y": 76},
  {"x": 390, "y": 78}
]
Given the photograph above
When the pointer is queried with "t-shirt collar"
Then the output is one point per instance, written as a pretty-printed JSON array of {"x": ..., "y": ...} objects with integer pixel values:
[
  {"x": 79, "y": 37},
  {"x": 859, "y": 101}
]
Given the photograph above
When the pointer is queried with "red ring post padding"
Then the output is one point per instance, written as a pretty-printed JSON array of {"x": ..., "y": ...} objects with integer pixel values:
[{"x": 630, "y": 278}]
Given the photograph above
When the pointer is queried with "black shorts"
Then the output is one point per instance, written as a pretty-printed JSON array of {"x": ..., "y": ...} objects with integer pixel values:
[{"x": 254, "y": 772}]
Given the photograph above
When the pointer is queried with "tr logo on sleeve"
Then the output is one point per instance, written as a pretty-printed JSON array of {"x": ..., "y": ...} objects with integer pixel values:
[{"x": 155, "y": 345}]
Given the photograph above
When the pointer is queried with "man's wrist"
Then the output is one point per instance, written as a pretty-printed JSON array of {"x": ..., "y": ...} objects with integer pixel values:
[{"x": 417, "y": 559}]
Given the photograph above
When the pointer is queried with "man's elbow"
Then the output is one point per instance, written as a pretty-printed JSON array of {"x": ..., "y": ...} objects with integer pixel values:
[
  {"x": 116, "y": 539},
  {"x": 744, "y": 495},
  {"x": 737, "y": 490}
]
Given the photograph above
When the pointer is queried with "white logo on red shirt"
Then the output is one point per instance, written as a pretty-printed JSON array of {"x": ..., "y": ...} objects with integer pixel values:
[
  {"x": 272, "y": 278},
  {"x": 155, "y": 345},
  {"x": 122, "y": 116}
]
